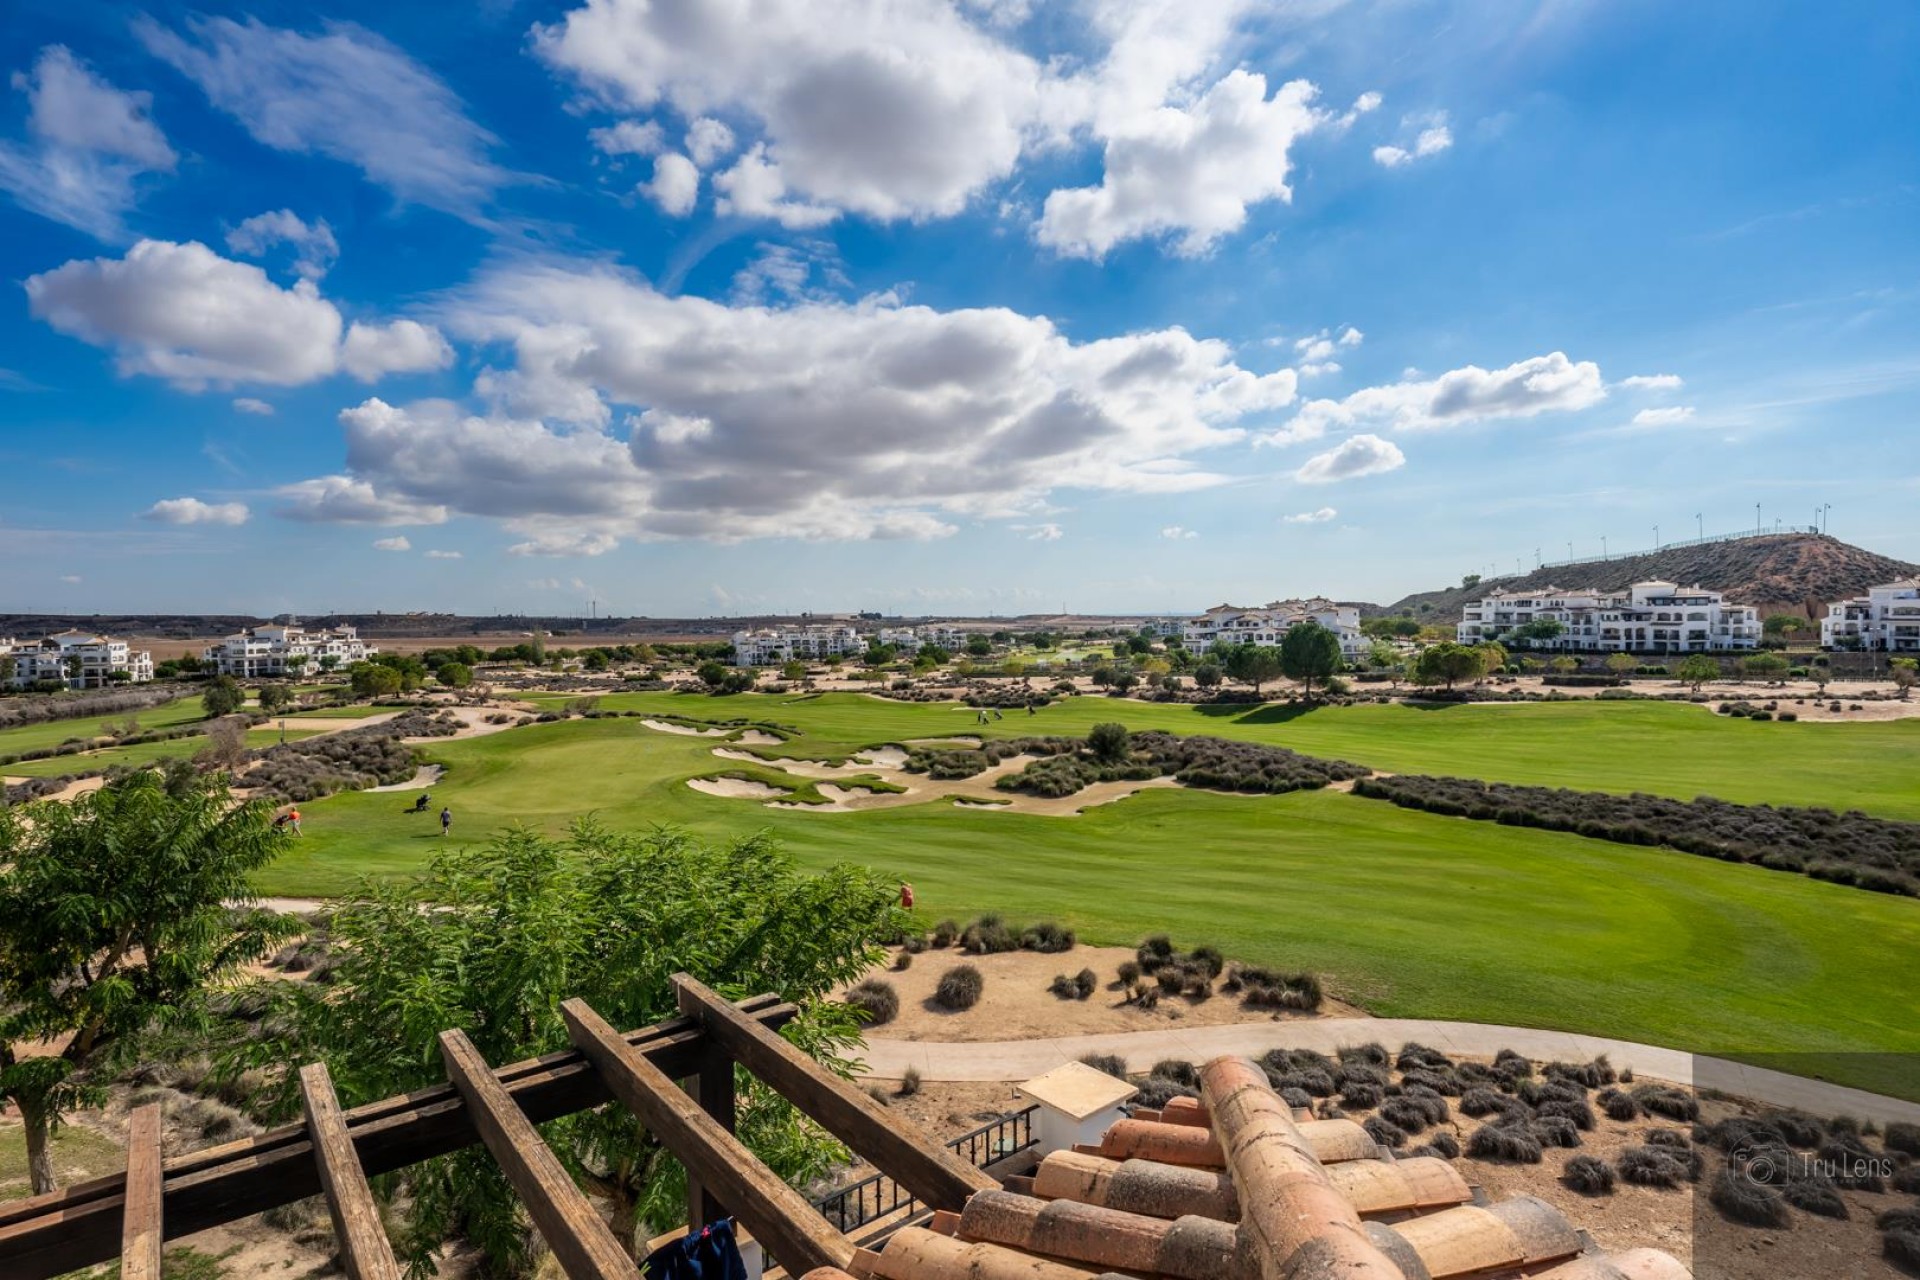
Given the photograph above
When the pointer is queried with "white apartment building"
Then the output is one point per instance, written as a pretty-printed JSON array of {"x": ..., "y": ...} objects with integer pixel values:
[
  {"x": 773, "y": 646},
  {"x": 1267, "y": 624},
  {"x": 1886, "y": 618},
  {"x": 78, "y": 659},
  {"x": 279, "y": 651},
  {"x": 909, "y": 639},
  {"x": 1648, "y": 617}
]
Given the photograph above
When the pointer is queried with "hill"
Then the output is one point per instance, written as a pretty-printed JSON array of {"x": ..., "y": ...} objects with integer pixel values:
[{"x": 1780, "y": 572}]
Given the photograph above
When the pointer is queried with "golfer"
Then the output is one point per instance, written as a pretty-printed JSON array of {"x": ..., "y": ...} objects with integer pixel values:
[{"x": 446, "y": 820}]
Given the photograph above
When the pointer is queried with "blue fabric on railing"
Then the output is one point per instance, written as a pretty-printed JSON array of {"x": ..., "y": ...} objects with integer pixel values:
[{"x": 710, "y": 1254}]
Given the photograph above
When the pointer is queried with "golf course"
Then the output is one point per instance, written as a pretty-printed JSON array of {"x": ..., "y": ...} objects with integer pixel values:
[{"x": 1403, "y": 912}]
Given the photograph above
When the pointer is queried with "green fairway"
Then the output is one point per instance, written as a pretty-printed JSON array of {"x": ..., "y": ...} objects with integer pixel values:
[
  {"x": 140, "y": 753},
  {"x": 35, "y": 737},
  {"x": 1407, "y": 913}
]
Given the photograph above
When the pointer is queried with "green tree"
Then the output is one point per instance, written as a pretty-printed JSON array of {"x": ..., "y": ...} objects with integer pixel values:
[
  {"x": 1309, "y": 652},
  {"x": 329, "y": 661},
  {"x": 296, "y": 663},
  {"x": 1696, "y": 669},
  {"x": 1540, "y": 631},
  {"x": 117, "y": 909},
  {"x": 537, "y": 648},
  {"x": 1255, "y": 663},
  {"x": 595, "y": 660},
  {"x": 1208, "y": 675},
  {"x": 1780, "y": 629},
  {"x": 526, "y": 922},
  {"x": 1124, "y": 680},
  {"x": 223, "y": 696},
  {"x": 1446, "y": 663},
  {"x": 373, "y": 680},
  {"x": 1137, "y": 644},
  {"x": 1103, "y": 675},
  {"x": 711, "y": 674},
  {"x": 1763, "y": 666},
  {"x": 8, "y": 667},
  {"x": 1109, "y": 742},
  {"x": 1565, "y": 665},
  {"x": 273, "y": 697},
  {"x": 1905, "y": 673},
  {"x": 793, "y": 669},
  {"x": 1621, "y": 663},
  {"x": 979, "y": 646},
  {"x": 1469, "y": 582},
  {"x": 1493, "y": 655},
  {"x": 454, "y": 675}
]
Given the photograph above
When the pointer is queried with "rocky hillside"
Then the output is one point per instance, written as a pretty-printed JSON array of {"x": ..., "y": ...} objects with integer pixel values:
[{"x": 1782, "y": 573}]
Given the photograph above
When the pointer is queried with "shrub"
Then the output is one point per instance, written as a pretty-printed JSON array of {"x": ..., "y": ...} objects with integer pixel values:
[
  {"x": 1267, "y": 989},
  {"x": 1178, "y": 1070},
  {"x": 1902, "y": 1248},
  {"x": 1129, "y": 972},
  {"x": 945, "y": 933},
  {"x": 1360, "y": 1095},
  {"x": 1511, "y": 1065},
  {"x": 1578, "y": 1114},
  {"x": 1111, "y": 1063},
  {"x": 1817, "y": 1198},
  {"x": 1503, "y": 1144},
  {"x": 1588, "y": 1176},
  {"x": 1670, "y": 1138},
  {"x": 1085, "y": 983},
  {"x": 1619, "y": 1106},
  {"x": 914, "y": 945},
  {"x": 1588, "y": 1075},
  {"x": 1414, "y": 1112},
  {"x": 1046, "y": 937},
  {"x": 1853, "y": 1166},
  {"x": 1062, "y": 986},
  {"x": 1742, "y": 1200},
  {"x": 877, "y": 999},
  {"x": 1154, "y": 952},
  {"x": 1157, "y": 1091},
  {"x": 989, "y": 935},
  {"x": 1903, "y": 1137},
  {"x": 1907, "y": 1180},
  {"x": 1391, "y": 1136},
  {"x": 959, "y": 988},
  {"x": 1208, "y": 958},
  {"x": 1556, "y": 1131},
  {"x": 1441, "y": 1144},
  {"x": 1372, "y": 1054},
  {"x": 1903, "y": 1218},
  {"x": 1652, "y": 1167},
  {"x": 1482, "y": 1101},
  {"x": 1674, "y": 1104},
  {"x": 903, "y": 962}
]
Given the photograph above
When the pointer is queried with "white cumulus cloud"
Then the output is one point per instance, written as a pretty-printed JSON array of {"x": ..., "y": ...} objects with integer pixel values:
[
  {"x": 1320, "y": 516},
  {"x": 1432, "y": 138},
  {"x": 1179, "y": 534},
  {"x": 184, "y": 313},
  {"x": 628, "y": 413},
  {"x": 258, "y": 408},
  {"x": 630, "y": 138},
  {"x": 1361, "y": 455},
  {"x": 392, "y": 544},
  {"x": 344, "y": 93},
  {"x": 1040, "y": 532},
  {"x": 1542, "y": 384},
  {"x": 194, "y": 511},
  {"x": 444, "y": 555},
  {"x": 1653, "y": 382},
  {"x": 1666, "y": 417},
  {"x": 675, "y": 185},
  {"x": 88, "y": 145},
  {"x": 312, "y": 242},
  {"x": 707, "y": 140},
  {"x": 345, "y": 500}
]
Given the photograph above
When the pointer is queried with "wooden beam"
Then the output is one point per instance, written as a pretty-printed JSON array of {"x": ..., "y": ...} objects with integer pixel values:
[
  {"x": 77, "y": 1226},
  {"x": 356, "y": 1218},
  {"x": 712, "y": 1088},
  {"x": 891, "y": 1143},
  {"x": 777, "y": 1216},
  {"x": 141, "y": 1229},
  {"x": 582, "y": 1243}
]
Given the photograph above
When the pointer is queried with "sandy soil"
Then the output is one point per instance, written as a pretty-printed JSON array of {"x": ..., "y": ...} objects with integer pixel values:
[
  {"x": 977, "y": 792},
  {"x": 661, "y": 726},
  {"x": 735, "y": 788},
  {"x": 423, "y": 777},
  {"x": 1015, "y": 1002},
  {"x": 759, "y": 738}
]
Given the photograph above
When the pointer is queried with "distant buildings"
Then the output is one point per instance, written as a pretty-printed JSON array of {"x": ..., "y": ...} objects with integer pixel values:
[
  {"x": 77, "y": 659},
  {"x": 772, "y": 646},
  {"x": 1266, "y": 624},
  {"x": 1886, "y": 618},
  {"x": 279, "y": 651},
  {"x": 910, "y": 639},
  {"x": 1648, "y": 617}
]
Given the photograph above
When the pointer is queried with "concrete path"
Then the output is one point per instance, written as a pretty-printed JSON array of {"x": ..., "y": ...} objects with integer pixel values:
[{"x": 1004, "y": 1060}]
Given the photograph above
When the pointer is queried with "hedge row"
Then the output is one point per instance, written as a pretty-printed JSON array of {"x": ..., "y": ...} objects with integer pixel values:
[
  {"x": 1849, "y": 848},
  {"x": 1214, "y": 764},
  {"x": 75, "y": 706},
  {"x": 371, "y": 757}
]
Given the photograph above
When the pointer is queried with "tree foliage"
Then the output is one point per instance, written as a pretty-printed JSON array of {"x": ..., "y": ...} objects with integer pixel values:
[
  {"x": 1447, "y": 663},
  {"x": 1696, "y": 669},
  {"x": 525, "y": 923},
  {"x": 1309, "y": 652},
  {"x": 1109, "y": 742},
  {"x": 114, "y": 913},
  {"x": 223, "y": 696},
  {"x": 1254, "y": 663}
]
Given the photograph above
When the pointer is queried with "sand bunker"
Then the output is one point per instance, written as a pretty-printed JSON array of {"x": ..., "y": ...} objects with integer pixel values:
[
  {"x": 423, "y": 777},
  {"x": 882, "y": 758},
  {"x": 735, "y": 788},
  {"x": 964, "y": 741},
  {"x": 759, "y": 738},
  {"x": 661, "y": 726}
]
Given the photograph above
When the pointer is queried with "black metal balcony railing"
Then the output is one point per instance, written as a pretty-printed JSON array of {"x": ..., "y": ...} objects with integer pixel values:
[{"x": 878, "y": 1196}]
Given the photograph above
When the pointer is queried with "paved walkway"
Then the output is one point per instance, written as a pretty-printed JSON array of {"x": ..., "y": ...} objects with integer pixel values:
[{"x": 1003, "y": 1060}]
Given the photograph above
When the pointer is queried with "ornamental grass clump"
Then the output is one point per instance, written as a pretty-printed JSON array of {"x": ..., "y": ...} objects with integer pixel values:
[{"x": 959, "y": 988}]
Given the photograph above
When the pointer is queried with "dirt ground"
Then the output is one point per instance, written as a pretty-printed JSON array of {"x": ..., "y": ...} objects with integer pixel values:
[{"x": 1015, "y": 1003}]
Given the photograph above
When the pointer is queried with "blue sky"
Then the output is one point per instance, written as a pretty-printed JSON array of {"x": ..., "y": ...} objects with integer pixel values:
[{"x": 975, "y": 307}]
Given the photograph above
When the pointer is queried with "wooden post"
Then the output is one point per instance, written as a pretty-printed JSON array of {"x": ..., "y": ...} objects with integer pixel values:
[
  {"x": 935, "y": 1176},
  {"x": 774, "y": 1213},
  {"x": 141, "y": 1229},
  {"x": 356, "y": 1218},
  {"x": 582, "y": 1243},
  {"x": 712, "y": 1088}
]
